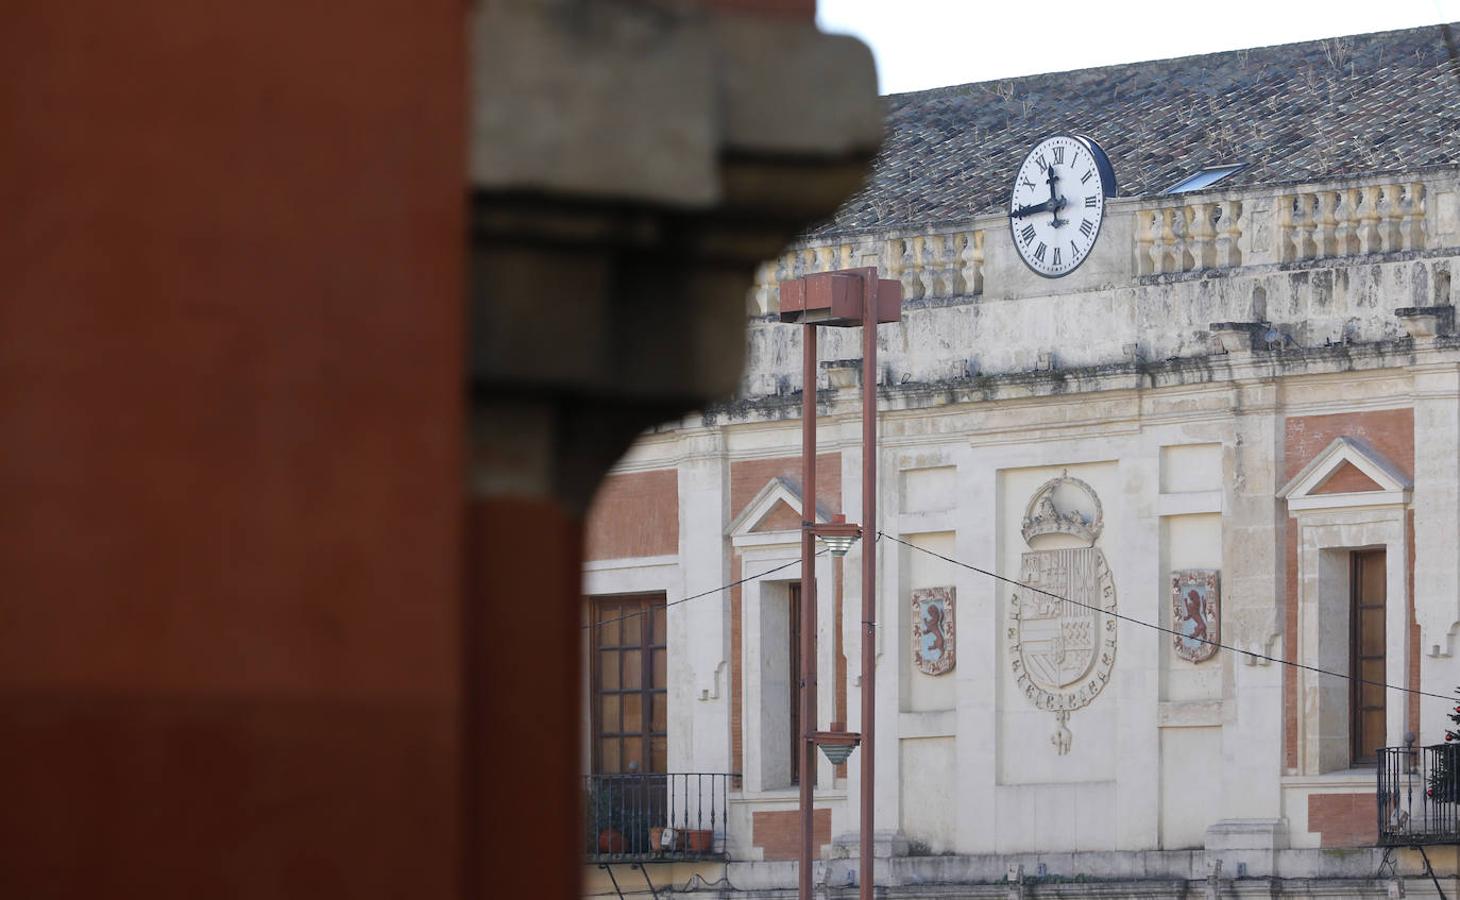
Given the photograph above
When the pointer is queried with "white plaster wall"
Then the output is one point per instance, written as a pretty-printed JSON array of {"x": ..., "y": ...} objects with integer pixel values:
[
  {"x": 1188, "y": 468},
  {"x": 929, "y": 489},
  {"x": 929, "y": 787},
  {"x": 699, "y": 632},
  {"x": 1437, "y": 520},
  {"x": 1191, "y": 767}
]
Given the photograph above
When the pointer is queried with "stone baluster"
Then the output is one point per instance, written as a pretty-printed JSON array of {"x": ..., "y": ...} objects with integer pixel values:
[
  {"x": 1370, "y": 238},
  {"x": 959, "y": 247},
  {"x": 969, "y": 246},
  {"x": 846, "y": 256},
  {"x": 1393, "y": 211},
  {"x": 976, "y": 241},
  {"x": 1414, "y": 223},
  {"x": 1204, "y": 235},
  {"x": 1346, "y": 233},
  {"x": 1180, "y": 255},
  {"x": 925, "y": 262},
  {"x": 765, "y": 295},
  {"x": 1326, "y": 231},
  {"x": 1229, "y": 250},
  {"x": 1312, "y": 226},
  {"x": 892, "y": 262},
  {"x": 912, "y": 282},
  {"x": 1167, "y": 258},
  {"x": 930, "y": 257},
  {"x": 952, "y": 264},
  {"x": 1288, "y": 243},
  {"x": 825, "y": 259}
]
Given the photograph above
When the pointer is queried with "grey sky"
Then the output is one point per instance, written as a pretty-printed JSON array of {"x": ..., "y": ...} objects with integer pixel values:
[{"x": 930, "y": 43}]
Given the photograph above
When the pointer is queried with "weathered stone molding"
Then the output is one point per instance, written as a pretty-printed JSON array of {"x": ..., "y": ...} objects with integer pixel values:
[{"x": 1200, "y": 232}]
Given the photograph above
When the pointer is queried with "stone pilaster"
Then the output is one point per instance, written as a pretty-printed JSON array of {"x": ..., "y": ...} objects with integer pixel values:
[{"x": 1254, "y": 590}]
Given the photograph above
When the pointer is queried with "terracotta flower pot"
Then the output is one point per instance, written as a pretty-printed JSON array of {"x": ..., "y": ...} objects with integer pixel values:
[
  {"x": 656, "y": 839},
  {"x": 611, "y": 840},
  {"x": 700, "y": 840}
]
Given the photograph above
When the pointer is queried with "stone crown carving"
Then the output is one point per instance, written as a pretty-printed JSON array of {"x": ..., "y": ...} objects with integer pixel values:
[{"x": 1043, "y": 515}]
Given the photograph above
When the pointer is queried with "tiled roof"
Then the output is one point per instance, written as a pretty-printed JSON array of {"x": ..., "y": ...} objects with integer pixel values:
[{"x": 1298, "y": 112}]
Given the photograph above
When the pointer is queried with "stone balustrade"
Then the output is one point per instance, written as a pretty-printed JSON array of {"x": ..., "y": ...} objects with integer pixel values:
[
  {"x": 1188, "y": 235},
  {"x": 1176, "y": 235},
  {"x": 1352, "y": 221},
  {"x": 930, "y": 266}
]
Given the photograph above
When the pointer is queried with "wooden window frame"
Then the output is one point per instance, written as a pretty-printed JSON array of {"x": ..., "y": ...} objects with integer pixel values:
[
  {"x": 636, "y": 614},
  {"x": 1359, "y": 754}
]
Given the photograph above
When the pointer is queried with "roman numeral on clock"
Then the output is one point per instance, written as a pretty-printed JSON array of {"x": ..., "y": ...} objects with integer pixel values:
[
  {"x": 1027, "y": 233},
  {"x": 1040, "y": 163},
  {"x": 1087, "y": 176},
  {"x": 1059, "y": 156},
  {"x": 1074, "y": 251},
  {"x": 1092, "y": 201},
  {"x": 1087, "y": 228},
  {"x": 1039, "y": 251},
  {"x": 1055, "y": 259}
]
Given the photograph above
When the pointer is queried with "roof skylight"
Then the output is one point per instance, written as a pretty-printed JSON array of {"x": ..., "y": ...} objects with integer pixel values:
[{"x": 1205, "y": 178}]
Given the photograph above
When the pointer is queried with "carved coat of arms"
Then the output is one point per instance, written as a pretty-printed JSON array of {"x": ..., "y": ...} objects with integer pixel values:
[
  {"x": 933, "y": 637},
  {"x": 1061, "y": 625},
  {"x": 1196, "y": 612}
]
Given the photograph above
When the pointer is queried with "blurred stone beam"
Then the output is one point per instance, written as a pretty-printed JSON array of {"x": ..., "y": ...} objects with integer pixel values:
[{"x": 631, "y": 164}]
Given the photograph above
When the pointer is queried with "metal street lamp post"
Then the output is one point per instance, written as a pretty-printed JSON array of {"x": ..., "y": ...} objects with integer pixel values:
[{"x": 846, "y": 298}]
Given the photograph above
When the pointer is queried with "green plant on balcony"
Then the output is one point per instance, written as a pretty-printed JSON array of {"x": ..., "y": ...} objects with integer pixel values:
[{"x": 1443, "y": 780}]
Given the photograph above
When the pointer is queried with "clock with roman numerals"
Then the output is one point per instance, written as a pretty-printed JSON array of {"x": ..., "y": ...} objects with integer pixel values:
[{"x": 1058, "y": 203}]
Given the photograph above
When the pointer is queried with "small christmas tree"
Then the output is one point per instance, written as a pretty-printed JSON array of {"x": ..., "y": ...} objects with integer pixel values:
[{"x": 1444, "y": 776}]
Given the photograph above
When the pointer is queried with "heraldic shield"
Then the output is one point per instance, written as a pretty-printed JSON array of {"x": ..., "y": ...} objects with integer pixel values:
[{"x": 1062, "y": 630}]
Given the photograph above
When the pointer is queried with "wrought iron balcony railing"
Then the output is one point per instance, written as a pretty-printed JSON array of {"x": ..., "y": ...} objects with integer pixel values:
[
  {"x": 1419, "y": 795},
  {"x": 648, "y": 816}
]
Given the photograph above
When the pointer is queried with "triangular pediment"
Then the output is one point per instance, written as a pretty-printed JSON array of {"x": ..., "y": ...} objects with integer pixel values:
[
  {"x": 1348, "y": 472},
  {"x": 1347, "y": 479},
  {"x": 781, "y": 518},
  {"x": 776, "y": 507}
]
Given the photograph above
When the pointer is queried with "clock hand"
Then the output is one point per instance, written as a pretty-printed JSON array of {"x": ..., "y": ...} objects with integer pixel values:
[
  {"x": 1023, "y": 211},
  {"x": 1056, "y": 202}
]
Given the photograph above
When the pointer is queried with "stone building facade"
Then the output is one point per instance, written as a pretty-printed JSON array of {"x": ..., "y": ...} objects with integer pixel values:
[{"x": 1238, "y": 420}]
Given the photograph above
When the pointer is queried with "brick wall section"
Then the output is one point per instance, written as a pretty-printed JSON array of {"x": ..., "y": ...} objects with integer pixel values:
[
  {"x": 748, "y": 476},
  {"x": 1391, "y": 433},
  {"x": 779, "y": 833},
  {"x": 636, "y": 514},
  {"x": 1347, "y": 479},
  {"x": 1345, "y": 820}
]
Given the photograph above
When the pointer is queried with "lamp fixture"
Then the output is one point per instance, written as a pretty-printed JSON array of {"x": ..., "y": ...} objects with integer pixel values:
[
  {"x": 838, "y": 535},
  {"x": 836, "y": 745}
]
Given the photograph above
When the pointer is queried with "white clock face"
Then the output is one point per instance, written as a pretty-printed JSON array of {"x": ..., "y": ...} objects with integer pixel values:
[{"x": 1058, "y": 203}]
